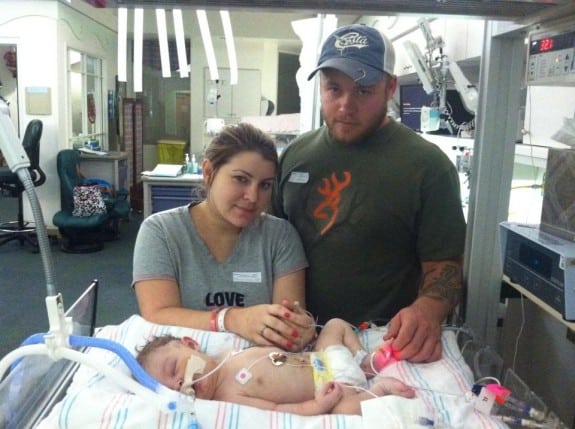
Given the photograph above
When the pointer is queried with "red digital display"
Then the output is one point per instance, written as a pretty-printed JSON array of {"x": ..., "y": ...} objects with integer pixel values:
[
  {"x": 550, "y": 43},
  {"x": 545, "y": 45}
]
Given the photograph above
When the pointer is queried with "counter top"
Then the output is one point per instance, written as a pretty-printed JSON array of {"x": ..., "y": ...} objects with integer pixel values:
[
  {"x": 104, "y": 157},
  {"x": 183, "y": 178}
]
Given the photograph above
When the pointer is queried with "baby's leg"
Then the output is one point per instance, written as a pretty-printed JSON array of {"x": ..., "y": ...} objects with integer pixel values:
[
  {"x": 351, "y": 401},
  {"x": 338, "y": 332},
  {"x": 391, "y": 386}
]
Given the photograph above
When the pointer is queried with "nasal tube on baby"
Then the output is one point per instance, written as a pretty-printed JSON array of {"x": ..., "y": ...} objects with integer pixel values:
[{"x": 194, "y": 366}]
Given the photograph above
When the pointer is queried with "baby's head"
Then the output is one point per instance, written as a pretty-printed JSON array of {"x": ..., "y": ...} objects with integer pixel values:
[{"x": 177, "y": 363}]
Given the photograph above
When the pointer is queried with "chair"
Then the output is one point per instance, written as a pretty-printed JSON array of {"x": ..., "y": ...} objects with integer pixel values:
[
  {"x": 21, "y": 230},
  {"x": 117, "y": 205},
  {"x": 82, "y": 234},
  {"x": 79, "y": 234}
]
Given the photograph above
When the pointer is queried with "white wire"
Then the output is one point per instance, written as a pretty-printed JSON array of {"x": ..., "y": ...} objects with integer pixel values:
[
  {"x": 359, "y": 388},
  {"x": 520, "y": 331},
  {"x": 486, "y": 378},
  {"x": 218, "y": 366}
]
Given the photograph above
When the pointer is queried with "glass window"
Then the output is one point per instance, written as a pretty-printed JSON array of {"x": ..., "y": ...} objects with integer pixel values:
[{"x": 86, "y": 100}]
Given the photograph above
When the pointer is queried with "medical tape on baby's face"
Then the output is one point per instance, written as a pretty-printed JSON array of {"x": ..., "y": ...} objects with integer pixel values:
[{"x": 195, "y": 365}]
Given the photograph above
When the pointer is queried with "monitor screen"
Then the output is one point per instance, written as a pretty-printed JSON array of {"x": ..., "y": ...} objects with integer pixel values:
[{"x": 413, "y": 97}]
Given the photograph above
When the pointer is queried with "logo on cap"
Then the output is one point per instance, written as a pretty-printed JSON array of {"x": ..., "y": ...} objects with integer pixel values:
[{"x": 350, "y": 40}]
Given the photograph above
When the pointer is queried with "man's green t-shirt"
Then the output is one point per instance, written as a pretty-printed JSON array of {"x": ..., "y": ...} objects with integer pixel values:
[{"x": 368, "y": 214}]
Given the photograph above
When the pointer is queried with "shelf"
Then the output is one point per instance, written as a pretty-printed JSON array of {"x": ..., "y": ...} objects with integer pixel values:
[{"x": 547, "y": 308}]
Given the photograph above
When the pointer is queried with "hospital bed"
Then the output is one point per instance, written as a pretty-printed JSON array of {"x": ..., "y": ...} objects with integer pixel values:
[
  {"x": 93, "y": 400},
  {"x": 65, "y": 394}
]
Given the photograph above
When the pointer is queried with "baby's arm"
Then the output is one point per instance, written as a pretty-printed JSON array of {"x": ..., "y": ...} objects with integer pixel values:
[{"x": 325, "y": 399}]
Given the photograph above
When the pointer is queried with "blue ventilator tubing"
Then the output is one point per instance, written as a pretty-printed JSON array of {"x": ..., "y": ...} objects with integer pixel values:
[{"x": 81, "y": 341}]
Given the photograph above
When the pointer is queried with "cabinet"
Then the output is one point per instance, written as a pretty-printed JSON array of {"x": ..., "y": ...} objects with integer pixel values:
[{"x": 163, "y": 193}]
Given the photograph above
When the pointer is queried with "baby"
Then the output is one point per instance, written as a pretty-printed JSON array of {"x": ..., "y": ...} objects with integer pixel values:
[{"x": 330, "y": 379}]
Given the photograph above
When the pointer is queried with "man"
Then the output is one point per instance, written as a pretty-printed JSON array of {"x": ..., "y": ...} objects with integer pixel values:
[{"x": 378, "y": 207}]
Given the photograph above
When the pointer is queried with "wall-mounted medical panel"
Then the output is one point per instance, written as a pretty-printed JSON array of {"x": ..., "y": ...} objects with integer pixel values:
[{"x": 551, "y": 56}]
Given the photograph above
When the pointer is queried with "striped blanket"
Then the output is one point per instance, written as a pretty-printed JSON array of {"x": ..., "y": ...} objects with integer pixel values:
[{"x": 93, "y": 401}]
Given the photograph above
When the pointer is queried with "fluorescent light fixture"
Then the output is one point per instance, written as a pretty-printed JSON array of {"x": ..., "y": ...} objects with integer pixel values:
[
  {"x": 163, "y": 40},
  {"x": 122, "y": 44},
  {"x": 233, "y": 62},
  {"x": 180, "y": 42},
  {"x": 208, "y": 46},
  {"x": 138, "y": 47}
]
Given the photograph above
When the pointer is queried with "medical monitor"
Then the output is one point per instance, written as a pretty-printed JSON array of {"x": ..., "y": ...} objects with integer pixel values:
[{"x": 412, "y": 97}]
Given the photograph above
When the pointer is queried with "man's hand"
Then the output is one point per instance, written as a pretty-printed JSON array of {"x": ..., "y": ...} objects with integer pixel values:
[
  {"x": 416, "y": 330},
  {"x": 415, "y": 334}
]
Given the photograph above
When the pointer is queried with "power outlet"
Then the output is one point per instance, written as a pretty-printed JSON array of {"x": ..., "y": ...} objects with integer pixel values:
[{"x": 571, "y": 335}]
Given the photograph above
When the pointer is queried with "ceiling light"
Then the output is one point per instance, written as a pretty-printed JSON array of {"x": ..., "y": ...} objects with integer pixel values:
[
  {"x": 163, "y": 41},
  {"x": 138, "y": 47},
  {"x": 122, "y": 43},
  {"x": 226, "y": 23},
  {"x": 180, "y": 42},
  {"x": 208, "y": 46}
]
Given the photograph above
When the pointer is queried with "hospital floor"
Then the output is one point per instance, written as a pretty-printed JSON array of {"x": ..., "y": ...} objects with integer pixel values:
[{"x": 23, "y": 283}]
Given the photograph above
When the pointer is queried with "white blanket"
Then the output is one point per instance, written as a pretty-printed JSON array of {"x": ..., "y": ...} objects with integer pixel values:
[{"x": 92, "y": 401}]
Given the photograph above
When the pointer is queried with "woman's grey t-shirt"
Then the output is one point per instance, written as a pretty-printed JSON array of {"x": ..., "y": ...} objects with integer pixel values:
[{"x": 168, "y": 247}]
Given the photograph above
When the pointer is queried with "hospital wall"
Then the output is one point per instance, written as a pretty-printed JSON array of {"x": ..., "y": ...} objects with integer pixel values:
[
  {"x": 255, "y": 54},
  {"x": 43, "y": 31}
]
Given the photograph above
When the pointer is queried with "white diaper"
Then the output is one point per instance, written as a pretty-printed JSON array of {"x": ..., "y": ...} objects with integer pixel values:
[{"x": 336, "y": 363}]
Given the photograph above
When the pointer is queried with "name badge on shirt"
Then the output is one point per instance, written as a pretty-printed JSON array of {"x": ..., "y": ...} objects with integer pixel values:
[
  {"x": 247, "y": 277},
  {"x": 298, "y": 177}
]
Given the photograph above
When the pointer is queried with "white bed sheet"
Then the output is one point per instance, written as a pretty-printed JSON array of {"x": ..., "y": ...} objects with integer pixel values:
[{"x": 92, "y": 401}]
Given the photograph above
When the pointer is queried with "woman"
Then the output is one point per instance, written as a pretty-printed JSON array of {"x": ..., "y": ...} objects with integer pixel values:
[{"x": 218, "y": 265}]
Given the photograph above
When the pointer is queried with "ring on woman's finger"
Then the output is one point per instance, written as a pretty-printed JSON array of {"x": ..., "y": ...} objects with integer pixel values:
[{"x": 262, "y": 330}]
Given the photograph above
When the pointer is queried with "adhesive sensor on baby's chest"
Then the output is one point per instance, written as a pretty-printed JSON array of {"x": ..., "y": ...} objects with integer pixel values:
[{"x": 243, "y": 376}]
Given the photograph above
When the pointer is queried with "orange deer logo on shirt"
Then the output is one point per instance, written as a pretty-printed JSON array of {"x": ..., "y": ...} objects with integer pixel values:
[{"x": 331, "y": 189}]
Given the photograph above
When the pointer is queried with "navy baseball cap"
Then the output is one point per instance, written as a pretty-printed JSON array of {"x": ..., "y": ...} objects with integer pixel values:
[{"x": 361, "y": 52}]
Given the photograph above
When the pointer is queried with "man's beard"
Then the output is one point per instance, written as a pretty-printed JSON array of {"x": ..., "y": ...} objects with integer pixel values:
[{"x": 365, "y": 133}]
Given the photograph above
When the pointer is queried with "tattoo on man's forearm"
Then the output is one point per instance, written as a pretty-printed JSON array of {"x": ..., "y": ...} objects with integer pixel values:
[{"x": 446, "y": 287}]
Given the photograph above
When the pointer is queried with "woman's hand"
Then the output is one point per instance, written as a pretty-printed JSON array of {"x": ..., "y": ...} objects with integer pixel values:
[
  {"x": 272, "y": 324},
  {"x": 303, "y": 322}
]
